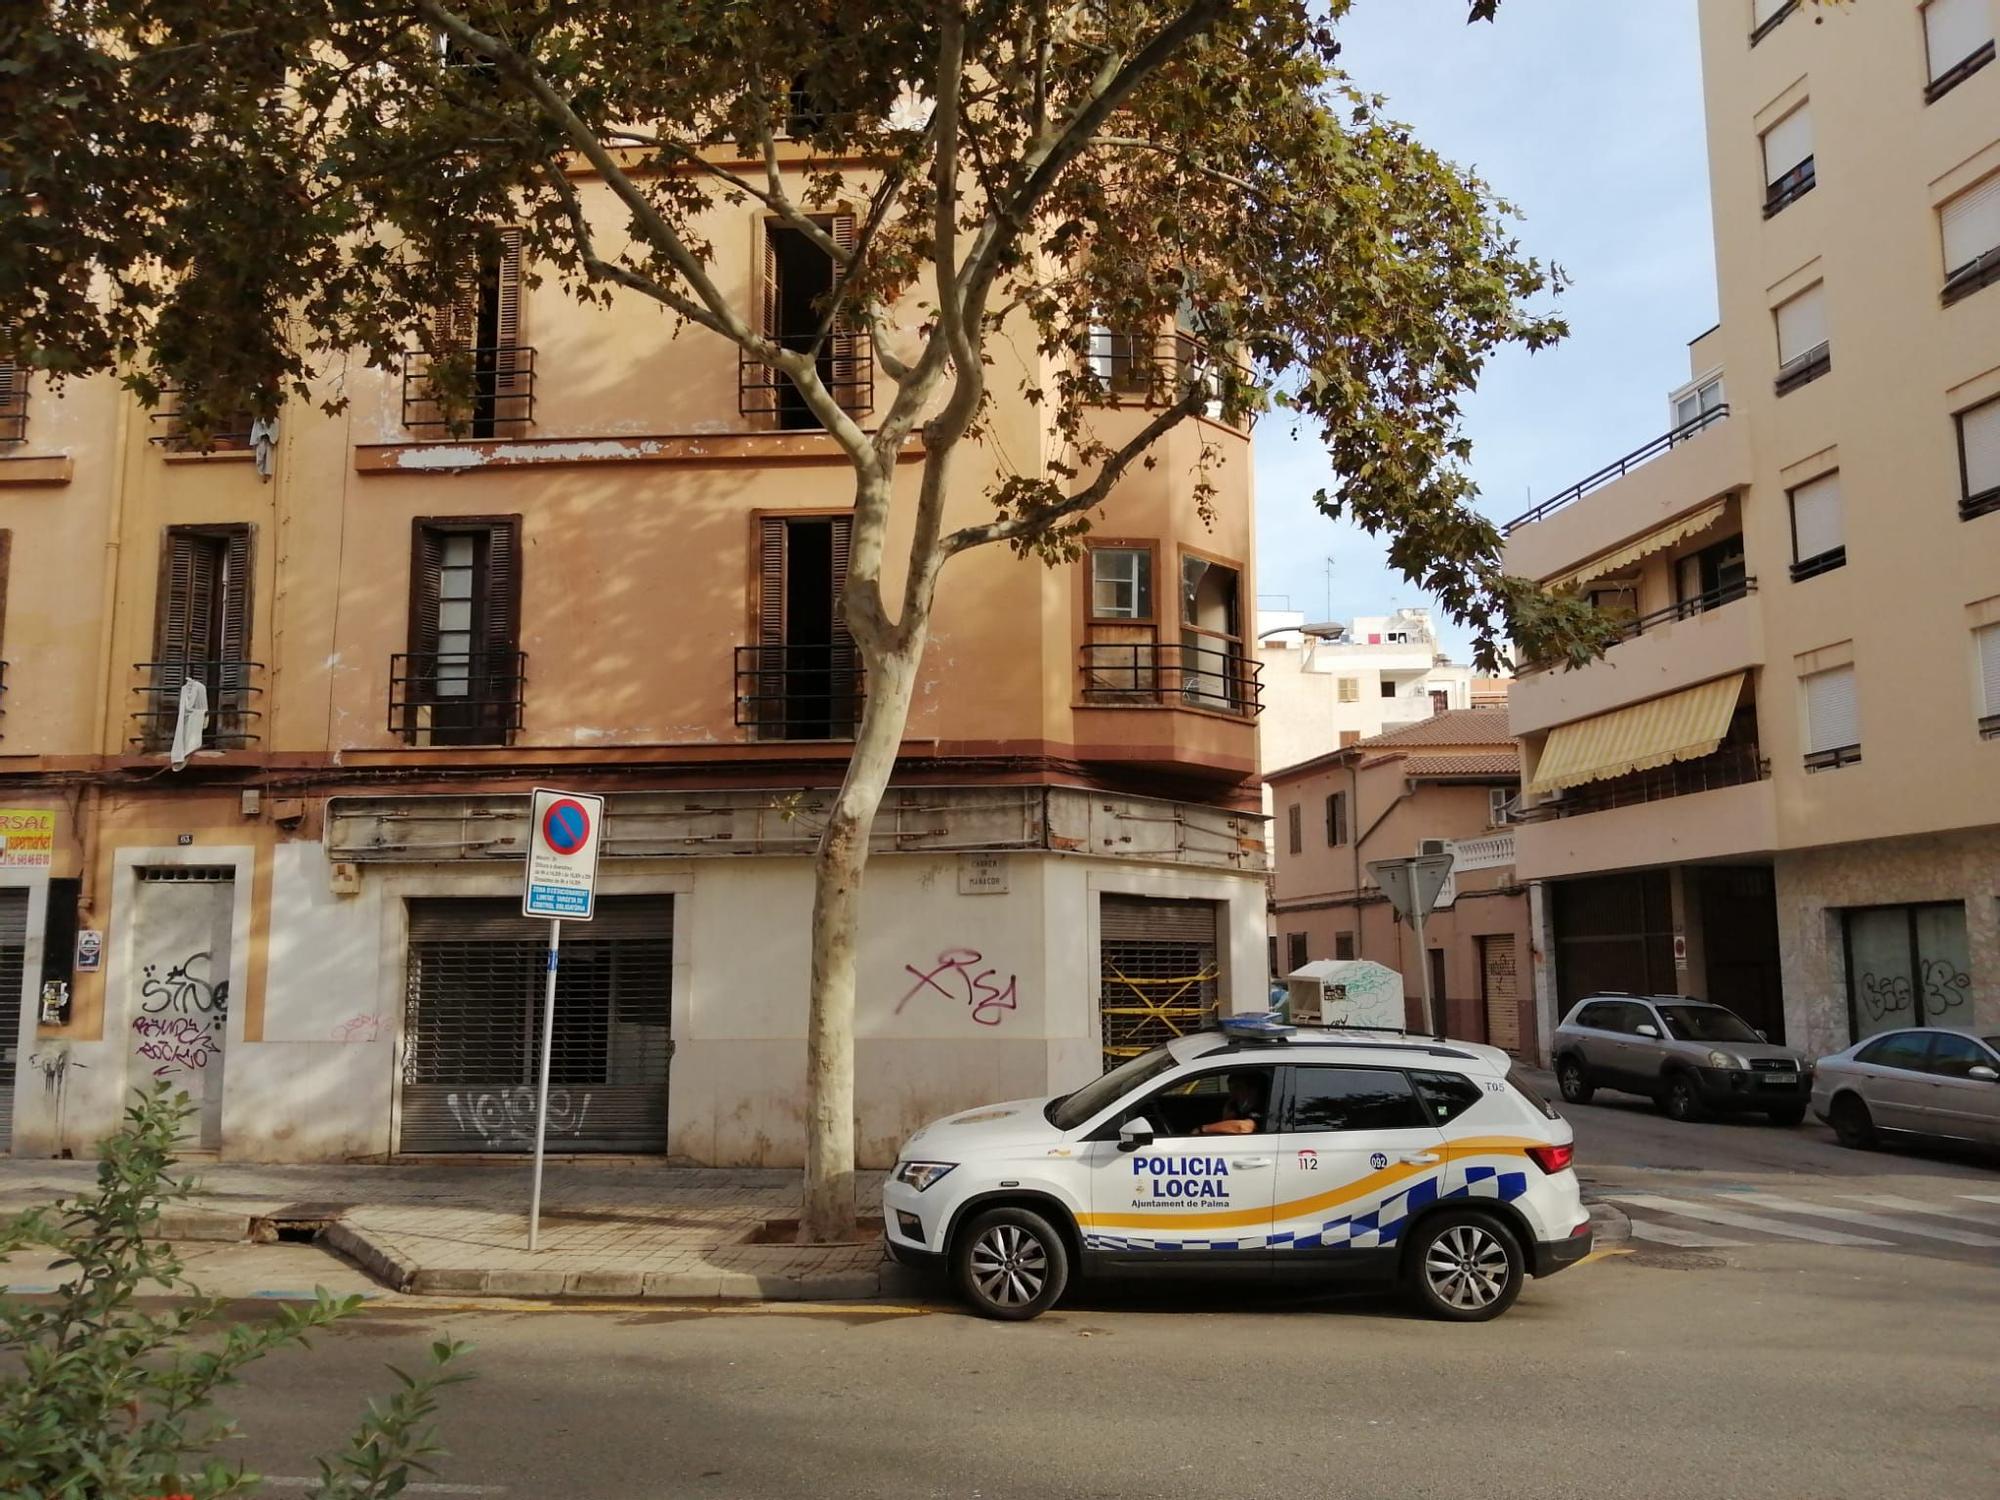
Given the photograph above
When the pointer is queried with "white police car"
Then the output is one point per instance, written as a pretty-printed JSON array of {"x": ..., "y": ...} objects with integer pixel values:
[{"x": 1252, "y": 1150}]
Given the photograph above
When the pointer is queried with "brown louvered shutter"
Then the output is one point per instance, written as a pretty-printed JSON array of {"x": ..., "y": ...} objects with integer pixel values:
[
  {"x": 230, "y": 678},
  {"x": 502, "y": 624},
  {"x": 507, "y": 365},
  {"x": 426, "y": 581},
  {"x": 850, "y": 391},
  {"x": 6, "y": 561},
  {"x": 455, "y": 325},
  {"x": 768, "y": 289},
  {"x": 767, "y": 687}
]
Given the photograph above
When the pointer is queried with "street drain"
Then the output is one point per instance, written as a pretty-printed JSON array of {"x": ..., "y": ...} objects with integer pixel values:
[
  {"x": 1661, "y": 1260},
  {"x": 295, "y": 1224}
]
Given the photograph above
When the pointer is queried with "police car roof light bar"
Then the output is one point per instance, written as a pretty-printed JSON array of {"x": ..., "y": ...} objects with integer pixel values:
[{"x": 1266, "y": 1027}]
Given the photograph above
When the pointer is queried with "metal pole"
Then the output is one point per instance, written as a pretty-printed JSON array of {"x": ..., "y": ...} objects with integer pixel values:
[
  {"x": 1423, "y": 963},
  {"x": 542, "y": 1092}
]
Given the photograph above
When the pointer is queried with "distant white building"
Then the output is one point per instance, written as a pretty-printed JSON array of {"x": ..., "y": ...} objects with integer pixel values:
[{"x": 1328, "y": 685}]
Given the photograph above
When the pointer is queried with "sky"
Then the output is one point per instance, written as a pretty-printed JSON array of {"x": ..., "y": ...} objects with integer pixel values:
[{"x": 1587, "y": 116}]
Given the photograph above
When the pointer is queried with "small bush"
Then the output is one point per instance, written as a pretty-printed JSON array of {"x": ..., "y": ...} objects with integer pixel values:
[{"x": 113, "y": 1402}]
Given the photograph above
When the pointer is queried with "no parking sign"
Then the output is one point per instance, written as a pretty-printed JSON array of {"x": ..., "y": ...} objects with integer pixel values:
[{"x": 562, "y": 855}]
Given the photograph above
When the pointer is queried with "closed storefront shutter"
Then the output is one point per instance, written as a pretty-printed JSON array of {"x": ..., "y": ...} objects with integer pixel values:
[
  {"x": 1501, "y": 990},
  {"x": 13, "y": 955},
  {"x": 472, "y": 1028},
  {"x": 1157, "y": 972}
]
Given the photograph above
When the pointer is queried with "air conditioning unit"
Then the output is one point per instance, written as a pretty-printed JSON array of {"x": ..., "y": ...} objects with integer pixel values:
[{"x": 1433, "y": 846}]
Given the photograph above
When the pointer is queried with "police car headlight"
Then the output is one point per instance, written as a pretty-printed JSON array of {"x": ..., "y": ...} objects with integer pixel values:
[
  {"x": 921, "y": 1174},
  {"x": 1724, "y": 1060}
]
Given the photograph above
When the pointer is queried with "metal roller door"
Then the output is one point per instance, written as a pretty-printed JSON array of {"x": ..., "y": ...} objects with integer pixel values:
[
  {"x": 472, "y": 1028},
  {"x": 13, "y": 973},
  {"x": 1157, "y": 972},
  {"x": 1499, "y": 987}
]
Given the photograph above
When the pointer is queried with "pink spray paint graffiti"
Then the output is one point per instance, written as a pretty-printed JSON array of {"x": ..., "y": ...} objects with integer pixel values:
[{"x": 957, "y": 974}]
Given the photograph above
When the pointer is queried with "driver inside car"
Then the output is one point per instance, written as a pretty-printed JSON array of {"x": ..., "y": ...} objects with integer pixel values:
[{"x": 1244, "y": 1112}]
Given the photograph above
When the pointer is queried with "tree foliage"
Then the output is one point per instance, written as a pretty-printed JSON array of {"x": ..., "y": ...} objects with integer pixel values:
[
  {"x": 112, "y": 1401},
  {"x": 230, "y": 196}
]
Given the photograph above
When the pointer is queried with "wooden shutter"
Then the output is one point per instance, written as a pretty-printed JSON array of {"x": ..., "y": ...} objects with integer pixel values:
[
  {"x": 426, "y": 582},
  {"x": 768, "y": 289},
  {"x": 187, "y": 621},
  {"x": 1294, "y": 834},
  {"x": 846, "y": 686},
  {"x": 849, "y": 390},
  {"x": 500, "y": 627},
  {"x": 455, "y": 326},
  {"x": 507, "y": 367},
  {"x": 771, "y": 581}
]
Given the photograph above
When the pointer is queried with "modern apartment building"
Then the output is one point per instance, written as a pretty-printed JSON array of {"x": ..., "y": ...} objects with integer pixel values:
[
  {"x": 1441, "y": 786},
  {"x": 616, "y": 569},
  {"x": 1781, "y": 787}
]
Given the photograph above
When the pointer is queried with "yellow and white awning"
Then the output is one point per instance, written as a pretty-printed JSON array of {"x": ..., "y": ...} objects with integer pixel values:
[
  {"x": 1688, "y": 525},
  {"x": 1681, "y": 726}
]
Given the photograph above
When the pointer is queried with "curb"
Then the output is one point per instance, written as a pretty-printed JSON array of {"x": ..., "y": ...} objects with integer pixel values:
[
  {"x": 200, "y": 1224},
  {"x": 1609, "y": 1225}
]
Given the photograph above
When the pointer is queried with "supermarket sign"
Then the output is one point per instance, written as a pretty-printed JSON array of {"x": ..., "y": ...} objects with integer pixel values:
[{"x": 27, "y": 838}]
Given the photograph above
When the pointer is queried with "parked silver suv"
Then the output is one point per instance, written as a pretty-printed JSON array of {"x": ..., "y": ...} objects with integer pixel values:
[{"x": 1688, "y": 1056}]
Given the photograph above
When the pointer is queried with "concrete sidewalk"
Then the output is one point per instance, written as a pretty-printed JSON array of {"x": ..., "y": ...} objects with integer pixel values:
[{"x": 608, "y": 1229}]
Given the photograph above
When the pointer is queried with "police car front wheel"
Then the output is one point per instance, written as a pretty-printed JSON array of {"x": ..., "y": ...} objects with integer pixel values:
[
  {"x": 1011, "y": 1263},
  {"x": 1466, "y": 1267}
]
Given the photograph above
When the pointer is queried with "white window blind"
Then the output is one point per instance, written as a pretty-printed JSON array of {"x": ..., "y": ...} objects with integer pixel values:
[
  {"x": 1971, "y": 224},
  {"x": 1350, "y": 690},
  {"x": 1988, "y": 639},
  {"x": 1954, "y": 30},
  {"x": 1833, "y": 720},
  {"x": 1788, "y": 143},
  {"x": 1816, "y": 517},
  {"x": 1802, "y": 323},
  {"x": 1979, "y": 441},
  {"x": 1762, "y": 10}
]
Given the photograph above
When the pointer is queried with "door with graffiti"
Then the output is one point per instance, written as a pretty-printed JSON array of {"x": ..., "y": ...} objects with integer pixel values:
[
  {"x": 13, "y": 977},
  {"x": 1157, "y": 972},
  {"x": 179, "y": 1008}
]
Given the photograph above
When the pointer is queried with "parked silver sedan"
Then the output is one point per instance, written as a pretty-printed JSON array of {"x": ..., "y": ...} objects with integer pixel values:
[{"x": 1928, "y": 1080}]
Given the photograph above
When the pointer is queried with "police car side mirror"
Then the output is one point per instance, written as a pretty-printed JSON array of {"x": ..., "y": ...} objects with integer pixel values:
[{"x": 1133, "y": 1134}]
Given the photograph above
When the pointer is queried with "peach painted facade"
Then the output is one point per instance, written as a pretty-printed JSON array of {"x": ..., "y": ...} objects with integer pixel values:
[
  {"x": 1434, "y": 786},
  {"x": 1824, "y": 523},
  {"x": 625, "y": 513}
]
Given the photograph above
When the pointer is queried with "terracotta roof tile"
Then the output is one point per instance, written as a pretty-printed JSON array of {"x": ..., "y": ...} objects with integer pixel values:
[
  {"x": 1461, "y": 726},
  {"x": 1473, "y": 763}
]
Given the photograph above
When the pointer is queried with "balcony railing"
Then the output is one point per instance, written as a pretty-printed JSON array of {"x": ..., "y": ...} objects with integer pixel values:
[
  {"x": 1829, "y": 760},
  {"x": 1805, "y": 369},
  {"x": 1818, "y": 563},
  {"x": 457, "y": 697},
  {"x": 476, "y": 393},
  {"x": 1971, "y": 276},
  {"x": 1958, "y": 72},
  {"x": 1732, "y": 765},
  {"x": 799, "y": 692},
  {"x": 1637, "y": 458},
  {"x": 1771, "y": 22},
  {"x": 1989, "y": 727},
  {"x": 1166, "y": 674},
  {"x": 233, "y": 691},
  {"x": 13, "y": 405},
  {"x": 1687, "y": 609},
  {"x": 231, "y": 435},
  {"x": 1791, "y": 187},
  {"x": 846, "y": 369},
  {"x": 1133, "y": 364}
]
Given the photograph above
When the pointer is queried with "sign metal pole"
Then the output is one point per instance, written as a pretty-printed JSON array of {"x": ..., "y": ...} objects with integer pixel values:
[
  {"x": 1424, "y": 963},
  {"x": 542, "y": 1090}
]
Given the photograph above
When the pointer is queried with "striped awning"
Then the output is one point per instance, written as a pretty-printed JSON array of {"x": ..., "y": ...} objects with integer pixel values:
[
  {"x": 1681, "y": 726},
  {"x": 1653, "y": 541}
]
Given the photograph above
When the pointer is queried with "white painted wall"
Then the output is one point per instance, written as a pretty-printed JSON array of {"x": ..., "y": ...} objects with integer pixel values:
[{"x": 1018, "y": 1019}]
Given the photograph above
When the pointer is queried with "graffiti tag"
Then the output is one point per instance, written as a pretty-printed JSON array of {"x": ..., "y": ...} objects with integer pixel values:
[
  {"x": 957, "y": 976},
  {"x": 175, "y": 1042},
  {"x": 507, "y": 1116},
  {"x": 358, "y": 1029},
  {"x": 183, "y": 991}
]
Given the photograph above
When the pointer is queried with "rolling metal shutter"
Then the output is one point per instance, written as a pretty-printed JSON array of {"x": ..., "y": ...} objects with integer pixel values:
[
  {"x": 1499, "y": 983},
  {"x": 13, "y": 972},
  {"x": 1157, "y": 972},
  {"x": 472, "y": 1028}
]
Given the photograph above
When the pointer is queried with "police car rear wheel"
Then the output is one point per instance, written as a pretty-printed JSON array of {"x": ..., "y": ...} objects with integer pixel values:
[
  {"x": 1466, "y": 1267},
  {"x": 1011, "y": 1263}
]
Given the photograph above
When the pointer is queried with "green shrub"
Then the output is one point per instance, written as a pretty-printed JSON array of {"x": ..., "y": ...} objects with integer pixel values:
[{"x": 113, "y": 1402}]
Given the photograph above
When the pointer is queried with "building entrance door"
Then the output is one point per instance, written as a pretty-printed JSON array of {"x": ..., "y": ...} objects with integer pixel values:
[
  {"x": 180, "y": 1012},
  {"x": 1157, "y": 972},
  {"x": 1499, "y": 994}
]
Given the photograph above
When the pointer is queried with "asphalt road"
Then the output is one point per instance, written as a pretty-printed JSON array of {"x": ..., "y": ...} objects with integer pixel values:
[{"x": 1848, "y": 1352}]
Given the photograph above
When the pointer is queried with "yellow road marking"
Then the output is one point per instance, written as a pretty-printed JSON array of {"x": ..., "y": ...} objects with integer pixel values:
[{"x": 1604, "y": 1254}]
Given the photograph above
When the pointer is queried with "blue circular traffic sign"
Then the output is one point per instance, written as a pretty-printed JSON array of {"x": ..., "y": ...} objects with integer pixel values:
[{"x": 566, "y": 827}]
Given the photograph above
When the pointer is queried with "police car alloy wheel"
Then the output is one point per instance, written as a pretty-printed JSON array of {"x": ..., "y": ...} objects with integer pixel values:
[
  {"x": 1011, "y": 1263},
  {"x": 1466, "y": 1267}
]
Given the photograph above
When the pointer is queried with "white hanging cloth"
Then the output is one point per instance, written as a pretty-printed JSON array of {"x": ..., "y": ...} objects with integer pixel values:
[{"x": 190, "y": 722}]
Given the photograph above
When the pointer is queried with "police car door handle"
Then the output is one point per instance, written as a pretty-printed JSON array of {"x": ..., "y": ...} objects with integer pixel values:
[
  {"x": 1420, "y": 1158},
  {"x": 1255, "y": 1161}
]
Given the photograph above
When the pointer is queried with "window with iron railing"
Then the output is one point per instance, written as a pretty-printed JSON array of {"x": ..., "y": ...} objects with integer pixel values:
[
  {"x": 1978, "y": 459},
  {"x": 175, "y": 431},
  {"x": 201, "y": 635},
  {"x": 1958, "y": 42},
  {"x": 1805, "y": 351},
  {"x": 463, "y": 679},
  {"x": 1986, "y": 663},
  {"x": 799, "y": 278},
  {"x": 1733, "y": 764},
  {"x": 1789, "y": 169},
  {"x": 1833, "y": 719},
  {"x": 476, "y": 377},
  {"x": 1969, "y": 226},
  {"x": 1819, "y": 539},
  {"x": 1767, "y": 15},
  {"x": 13, "y": 404}
]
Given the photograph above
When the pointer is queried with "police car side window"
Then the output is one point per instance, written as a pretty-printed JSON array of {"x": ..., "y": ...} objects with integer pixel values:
[
  {"x": 1352, "y": 1099},
  {"x": 1445, "y": 1096}
]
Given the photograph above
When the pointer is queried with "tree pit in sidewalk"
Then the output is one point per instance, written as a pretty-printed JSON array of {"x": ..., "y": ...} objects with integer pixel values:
[{"x": 867, "y": 1231}]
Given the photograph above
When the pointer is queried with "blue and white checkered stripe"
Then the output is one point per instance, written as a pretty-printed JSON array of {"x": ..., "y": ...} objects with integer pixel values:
[{"x": 1380, "y": 1227}]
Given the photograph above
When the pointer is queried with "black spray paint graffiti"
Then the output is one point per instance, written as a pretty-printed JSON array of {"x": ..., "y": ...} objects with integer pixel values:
[
  {"x": 185, "y": 1016},
  {"x": 507, "y": 1116},
  {"x": 1941, "y": 983},
  {"x": 54, "y": 1068}
]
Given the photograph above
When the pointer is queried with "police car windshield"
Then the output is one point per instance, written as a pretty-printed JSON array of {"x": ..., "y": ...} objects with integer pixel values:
[
  {"x": 1072, "y": 1110},
  {"x": 1705, "y": 1023}
]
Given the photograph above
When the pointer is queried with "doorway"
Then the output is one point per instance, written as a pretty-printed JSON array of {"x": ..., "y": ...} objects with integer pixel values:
[{"x": 181, "y": 935}]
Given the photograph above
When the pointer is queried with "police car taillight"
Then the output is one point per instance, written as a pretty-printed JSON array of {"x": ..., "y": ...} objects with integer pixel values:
[{"x": 1552, "y": 1158}]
